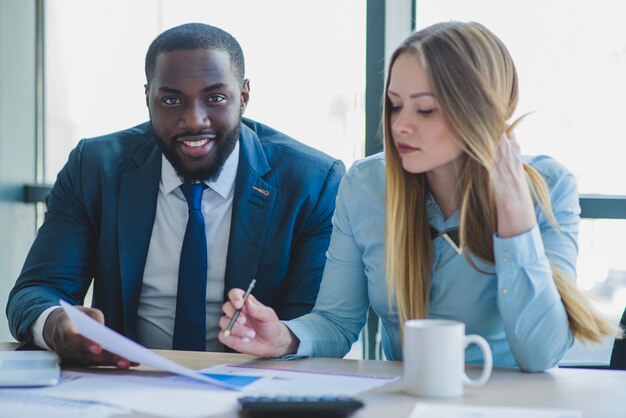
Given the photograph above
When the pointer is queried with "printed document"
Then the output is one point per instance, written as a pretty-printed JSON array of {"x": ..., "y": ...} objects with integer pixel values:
[
  {"x": 122, "y": 346},
  {"x": 167, "y": 396},
  {"x": 176, "y": 396},
  {"x": 21, "y": 403},
  {"x": 300, "y": 383}
]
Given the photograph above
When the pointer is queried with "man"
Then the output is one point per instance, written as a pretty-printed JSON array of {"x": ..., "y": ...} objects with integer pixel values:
[{"x": 167, "y": 216}]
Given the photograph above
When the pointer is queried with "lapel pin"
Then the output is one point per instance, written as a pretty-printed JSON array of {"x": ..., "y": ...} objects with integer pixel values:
[{"x": 263, "y": 192}]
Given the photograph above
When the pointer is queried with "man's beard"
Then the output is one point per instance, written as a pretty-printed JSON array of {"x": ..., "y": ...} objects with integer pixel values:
[{"x": 224, "y": 146}]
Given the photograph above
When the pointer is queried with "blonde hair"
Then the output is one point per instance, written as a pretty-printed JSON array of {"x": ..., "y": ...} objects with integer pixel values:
[{"x": 475, "y": 82}]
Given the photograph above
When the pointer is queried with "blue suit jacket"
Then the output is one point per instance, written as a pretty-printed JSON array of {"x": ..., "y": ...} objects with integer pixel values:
[{"x": 101, "y": 213}]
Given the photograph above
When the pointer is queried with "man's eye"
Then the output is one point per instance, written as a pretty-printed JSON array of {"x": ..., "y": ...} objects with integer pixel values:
[
  {"x": 171, "y": 101},
  {"x": 216, "y": 98}
]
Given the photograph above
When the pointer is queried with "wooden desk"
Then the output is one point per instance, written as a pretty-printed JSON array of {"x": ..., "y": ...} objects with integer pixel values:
[{"x": 597, "y": 393}]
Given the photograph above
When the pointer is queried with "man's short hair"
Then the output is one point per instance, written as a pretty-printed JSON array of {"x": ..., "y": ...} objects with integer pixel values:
[{"x": 196, "y": 36}]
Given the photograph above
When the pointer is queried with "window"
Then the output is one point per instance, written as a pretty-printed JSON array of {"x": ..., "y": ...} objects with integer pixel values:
[
  {"x": 571, "y": 60},
  {"x": 305, "y": 60}
]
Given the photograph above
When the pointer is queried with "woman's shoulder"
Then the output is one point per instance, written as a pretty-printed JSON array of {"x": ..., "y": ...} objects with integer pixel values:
[
  {"x": 561, "y": 183},
  {"x": 365, "y": 179},
  {"x": 551, "y": 169},
  {"x": 368, "y": 169},
  {"x": 373, "y": 163}
]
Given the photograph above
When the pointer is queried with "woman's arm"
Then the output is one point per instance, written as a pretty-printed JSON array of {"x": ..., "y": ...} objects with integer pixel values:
[
  {"x": 534, "y": 317},
  {"x": 342, "y": 303},
  {"x": 340, "y": 310}
]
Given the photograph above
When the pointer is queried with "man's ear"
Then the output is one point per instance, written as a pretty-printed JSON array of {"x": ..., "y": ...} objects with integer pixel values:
[
  {"x": 245, "y": 95},
  {"x": 146, "y": 90}
]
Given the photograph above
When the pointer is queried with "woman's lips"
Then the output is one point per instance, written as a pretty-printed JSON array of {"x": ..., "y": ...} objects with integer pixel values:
[{"x": 405, "y": 148}]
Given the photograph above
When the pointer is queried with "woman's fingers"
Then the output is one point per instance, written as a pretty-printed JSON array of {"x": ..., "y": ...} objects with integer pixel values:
[
  {"x": 228, "y": 309},
  {"x": 235, "y": 296},
  {"x": 239, "y": 328}
]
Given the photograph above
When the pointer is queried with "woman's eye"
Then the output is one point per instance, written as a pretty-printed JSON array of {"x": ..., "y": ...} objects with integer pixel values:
[
  {"x": 171, "y": 100},
  {"x": 425, "y": 112},
  {"x": 395, "y": 109}
]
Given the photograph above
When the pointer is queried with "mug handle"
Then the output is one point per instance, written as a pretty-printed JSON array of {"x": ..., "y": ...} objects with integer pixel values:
[{"x": 488, "y": 360}]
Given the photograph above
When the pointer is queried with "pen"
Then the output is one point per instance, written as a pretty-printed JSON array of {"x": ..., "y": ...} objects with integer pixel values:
[{"x": 229, "y": 328}]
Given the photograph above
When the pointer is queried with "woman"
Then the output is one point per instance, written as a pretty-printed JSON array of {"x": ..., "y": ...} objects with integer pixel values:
[{"x": 474, "y": 232}]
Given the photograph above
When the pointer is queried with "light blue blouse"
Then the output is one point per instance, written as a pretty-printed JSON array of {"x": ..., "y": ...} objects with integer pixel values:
[{"x": 516, "y": 307}]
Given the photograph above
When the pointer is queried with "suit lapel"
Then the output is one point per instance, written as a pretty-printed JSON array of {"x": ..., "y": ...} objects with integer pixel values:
[
  {"x": 136, "y": 212},
  {"x": 252, "y": 209}
]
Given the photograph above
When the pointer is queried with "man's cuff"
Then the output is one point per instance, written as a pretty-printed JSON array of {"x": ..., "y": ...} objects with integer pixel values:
[{"x": 36, "y": 329}]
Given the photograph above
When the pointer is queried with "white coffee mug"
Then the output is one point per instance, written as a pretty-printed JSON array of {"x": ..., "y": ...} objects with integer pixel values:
[{"x": 434, "y": 358}]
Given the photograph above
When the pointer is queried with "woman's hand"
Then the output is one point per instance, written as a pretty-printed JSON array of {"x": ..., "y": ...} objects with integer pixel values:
[
  {"x": 257, "y": 330},
  {"x": 514, "y": 203}
]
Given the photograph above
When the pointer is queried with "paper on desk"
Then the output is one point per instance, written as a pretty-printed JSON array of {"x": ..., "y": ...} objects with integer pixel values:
[
  {"x": 122, "y": 346},
  {"x": 21, "y": 403},
  {"x": 178, "y": 397},
  {"x": 300, "y": 383},
  {"x": 168, "y": 396},
  {"x": 424, "y": 410}
]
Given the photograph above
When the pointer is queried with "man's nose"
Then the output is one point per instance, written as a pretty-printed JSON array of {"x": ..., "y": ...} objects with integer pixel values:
[{"x": 195, "y": 117}]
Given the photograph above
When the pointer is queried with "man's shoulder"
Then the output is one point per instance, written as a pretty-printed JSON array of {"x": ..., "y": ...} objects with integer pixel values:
[
  {"x": 126, "y": 140},
  {"x": 284, "y": 149},
  {"x": 114, "y": 151}
]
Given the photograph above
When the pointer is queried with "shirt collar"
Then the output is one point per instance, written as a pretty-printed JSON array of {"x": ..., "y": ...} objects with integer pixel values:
[
  {"x": 435, "y": 215},
  {"x": 223, "y": 185}
]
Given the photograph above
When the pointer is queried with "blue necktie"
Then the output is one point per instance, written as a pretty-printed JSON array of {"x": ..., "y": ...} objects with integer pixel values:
[{"x": 190, "y": 322}]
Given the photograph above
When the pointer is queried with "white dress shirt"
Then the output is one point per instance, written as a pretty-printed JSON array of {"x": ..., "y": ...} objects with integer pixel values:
[{"x": 157, "y": 301}]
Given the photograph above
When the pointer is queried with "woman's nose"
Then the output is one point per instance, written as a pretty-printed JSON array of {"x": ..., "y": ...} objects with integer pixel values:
[{"x": 402, "y": 123}]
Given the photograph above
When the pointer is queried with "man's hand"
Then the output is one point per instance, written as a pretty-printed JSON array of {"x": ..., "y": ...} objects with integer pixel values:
[
  {"x": 257, "y": 331},
  {"x": 73, "y": 348}
]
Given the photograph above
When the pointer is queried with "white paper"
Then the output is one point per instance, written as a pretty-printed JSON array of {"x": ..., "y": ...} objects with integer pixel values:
[
  {"x": 122, "y": 346},
  {"x": 169, "y": 396},
  {"x": 299, "y": 383},
  {"x": 424, "y": 410},
  {"x": 174, "y": 396},
  {"x": 22, "y": 403}
]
